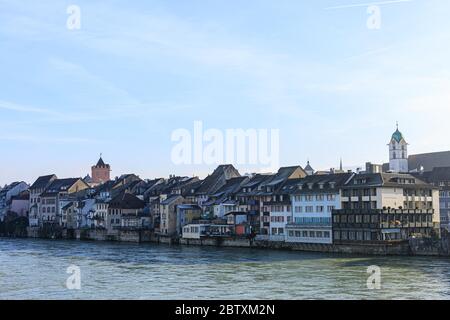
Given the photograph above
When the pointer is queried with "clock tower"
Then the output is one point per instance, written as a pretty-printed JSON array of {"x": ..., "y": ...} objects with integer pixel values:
[{"x": 398, "y": 153}]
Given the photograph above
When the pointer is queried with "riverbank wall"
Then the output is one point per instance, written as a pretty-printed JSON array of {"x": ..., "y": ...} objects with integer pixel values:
[
  {"x": 413, "y": 247},
  {"x": 402, "y": 248}
]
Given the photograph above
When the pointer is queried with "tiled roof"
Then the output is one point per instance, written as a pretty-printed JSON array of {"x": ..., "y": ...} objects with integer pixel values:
[
  {"x": 126, "y": 200},
  {"x": 42, "y": 182},
  {"x": 217, "y": 179},
  {"x": 385, "y": 180},
  {"x": 60, "y": 185},
  {"x": 313, "y": 183},
  {"x": 171, "y": 199}
]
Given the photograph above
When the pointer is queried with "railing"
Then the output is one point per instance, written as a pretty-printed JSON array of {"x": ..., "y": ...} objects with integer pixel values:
[
  {"x": 383, "y": 211},
  {"x": 266, "y": 237},
  {"x": 308, "y": 225}
]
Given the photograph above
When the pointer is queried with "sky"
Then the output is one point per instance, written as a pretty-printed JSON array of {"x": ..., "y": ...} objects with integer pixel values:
[{"x": 135, "y": 71}]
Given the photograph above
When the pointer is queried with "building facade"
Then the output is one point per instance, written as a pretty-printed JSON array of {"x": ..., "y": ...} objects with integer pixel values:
[
  {"x": 313, "y": 201},
  {"x": 386, "y": 206}
]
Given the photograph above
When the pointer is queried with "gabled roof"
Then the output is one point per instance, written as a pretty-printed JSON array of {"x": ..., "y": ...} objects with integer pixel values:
[
  {"x": 231, "y": 186},
  {"x": 399, "y": 180},
  {"x": 126, "y": 200},
  {"x": 314, "y": 183},
  {"x": 171, "y": 199},
  {"x": 60, "y": 185},
  {"x": 284, "y": 174},
  {"x": 253, "y": 185},
  {"x": 440, "y": 174},
  {"x": 217, "y": 179},
  {"x": 308, "y": 167},
  {"x": 193, "y": 187},
  {"x": 105, "y": 187},
  {"x": 43, "y": 181}
]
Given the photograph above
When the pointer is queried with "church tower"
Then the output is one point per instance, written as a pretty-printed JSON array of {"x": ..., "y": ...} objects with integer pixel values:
[
  {"x": 100, "y": 172},
  {"x": 398, "y": 153}
]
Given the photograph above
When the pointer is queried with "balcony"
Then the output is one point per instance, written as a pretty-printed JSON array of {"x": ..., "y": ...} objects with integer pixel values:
[{"x": 266, "y": 237}]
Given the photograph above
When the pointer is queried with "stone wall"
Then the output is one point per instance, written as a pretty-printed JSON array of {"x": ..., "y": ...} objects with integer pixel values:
[
  {"x": 218, "y": 242},
  {"x": 364, "y": 249},
  {"x": 429, "y": 247},
  {"x": 418, "y": 247}
]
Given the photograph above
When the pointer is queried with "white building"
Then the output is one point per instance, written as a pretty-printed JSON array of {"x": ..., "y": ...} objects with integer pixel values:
[
  {"x": 194, "y": 231},
  {"x": 280, "y": 215},
  {"x": 313, "y": 200}
]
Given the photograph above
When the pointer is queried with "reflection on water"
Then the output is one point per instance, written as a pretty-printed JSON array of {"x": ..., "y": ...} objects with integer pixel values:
[{"x": 36, "y": 269}]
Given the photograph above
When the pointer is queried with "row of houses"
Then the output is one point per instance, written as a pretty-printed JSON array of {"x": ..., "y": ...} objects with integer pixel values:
[{"x": 295, "y": 204}]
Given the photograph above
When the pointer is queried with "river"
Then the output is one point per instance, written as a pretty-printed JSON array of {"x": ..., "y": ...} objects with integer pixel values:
[{"x": 37, "y": 269}]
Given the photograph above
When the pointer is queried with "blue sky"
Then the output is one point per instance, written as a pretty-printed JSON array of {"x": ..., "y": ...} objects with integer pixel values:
[{"x": 136, "y": 71}]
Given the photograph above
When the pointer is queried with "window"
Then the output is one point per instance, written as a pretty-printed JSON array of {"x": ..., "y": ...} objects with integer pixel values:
[
  {"x": 326, "y": 234},
  {"x": 359, "y": 235},
  {"x": 305, "y": 234},
  {"x": 312, "y": 234},
  {"x": 319, "y": 234},
  {"x": 291, "y": 233}
]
